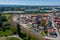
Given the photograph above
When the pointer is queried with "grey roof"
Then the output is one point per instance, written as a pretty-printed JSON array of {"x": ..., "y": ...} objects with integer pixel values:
[{"x": 13, "y": 12}]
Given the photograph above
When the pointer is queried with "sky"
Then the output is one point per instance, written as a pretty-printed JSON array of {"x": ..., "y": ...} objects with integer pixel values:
[{"x": 30, "y": 2}]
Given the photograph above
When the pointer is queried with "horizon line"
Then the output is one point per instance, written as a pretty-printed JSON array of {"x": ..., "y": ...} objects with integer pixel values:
[{"x": 29, "y": 5}]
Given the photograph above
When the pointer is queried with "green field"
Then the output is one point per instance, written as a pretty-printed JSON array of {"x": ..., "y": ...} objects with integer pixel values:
[{"x": 7, "y": 15}]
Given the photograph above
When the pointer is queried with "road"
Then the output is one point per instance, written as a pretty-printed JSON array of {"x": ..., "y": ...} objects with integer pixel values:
[
  {"x": 12, "y": 36},
  {"x": 58, "y": 37},
  {"x": 54, "y": 24}
]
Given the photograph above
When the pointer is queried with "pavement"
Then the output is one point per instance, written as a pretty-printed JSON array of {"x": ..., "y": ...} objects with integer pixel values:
[{"x": 58, "y": 38}]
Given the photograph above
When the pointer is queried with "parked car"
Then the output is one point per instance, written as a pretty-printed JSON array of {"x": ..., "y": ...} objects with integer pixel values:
[{"x": 52, "y": 32}]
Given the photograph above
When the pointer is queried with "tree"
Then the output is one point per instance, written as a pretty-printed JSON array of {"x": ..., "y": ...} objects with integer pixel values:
[
  {"x": 4, "y": 19},
  {"x": 43, "y": 23},
  {"x": 0, "y": 24},
  {"x": 12, "y": 8},
  {"x": 19, "y": 30},
  {"x": 5, "y": 26},
  {"x": 0, "y": 14},
  {"x": 0, "y": 21}
]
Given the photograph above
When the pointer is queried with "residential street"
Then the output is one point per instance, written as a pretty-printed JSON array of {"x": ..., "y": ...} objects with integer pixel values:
[{"x": 53, "y": 25}]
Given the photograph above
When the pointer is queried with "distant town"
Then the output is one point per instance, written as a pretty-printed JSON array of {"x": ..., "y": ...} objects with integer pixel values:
[{"x": 27, "y": 9}]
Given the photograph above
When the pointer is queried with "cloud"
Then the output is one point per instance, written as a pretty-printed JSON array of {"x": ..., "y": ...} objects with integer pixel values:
[{"x": 30, "y": 2}]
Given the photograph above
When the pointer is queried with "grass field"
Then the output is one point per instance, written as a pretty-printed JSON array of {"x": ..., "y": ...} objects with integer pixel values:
[
  {"x": 10, "y": 38},
  {"x": 7, "y": 15}
]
